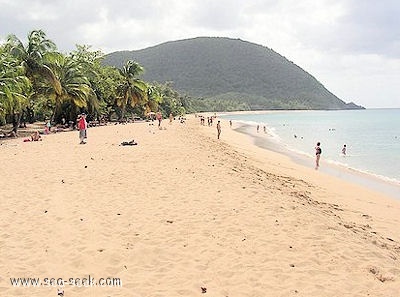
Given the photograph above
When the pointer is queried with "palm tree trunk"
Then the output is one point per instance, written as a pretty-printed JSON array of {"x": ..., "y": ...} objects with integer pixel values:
[{"x": 57, "y": 109}]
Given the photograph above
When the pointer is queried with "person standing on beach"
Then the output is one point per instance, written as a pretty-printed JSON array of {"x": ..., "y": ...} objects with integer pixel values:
[
  {"x": 82, "y": 126},
  {"x": 159, "y": 118},
  {"x": 218, "y": 129},
  {"x": 318, "y": 152},
  {"x": 48, "y": 125},
  {"x": 344, "y": 150}
]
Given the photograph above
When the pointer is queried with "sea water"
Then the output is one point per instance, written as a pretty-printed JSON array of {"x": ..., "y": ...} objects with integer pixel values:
[{"x": 372, "y": 137}]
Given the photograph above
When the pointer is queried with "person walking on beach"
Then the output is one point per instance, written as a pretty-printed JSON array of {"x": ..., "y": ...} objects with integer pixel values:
[
  {"x": 82, "y": 126},
  {"x": 218, "y": 129},
  {"x": 318, "y": 152},
  {"x": 344, "y": 150},
  {"x": 48, "y": 125},
  {"x": 159, "y": 118}
]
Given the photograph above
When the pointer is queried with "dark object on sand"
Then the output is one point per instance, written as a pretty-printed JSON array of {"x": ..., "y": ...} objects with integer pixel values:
[
  {"x": 60, "y": 292},
  {"x": 132, "y": 142}
]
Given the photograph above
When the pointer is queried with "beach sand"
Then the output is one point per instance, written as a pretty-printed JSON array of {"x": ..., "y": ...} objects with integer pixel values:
[{"x": 183, "y": 214}]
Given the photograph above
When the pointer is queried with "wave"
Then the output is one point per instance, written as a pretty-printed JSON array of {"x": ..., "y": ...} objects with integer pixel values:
[
  {"x": 346, "y": 166},
  {"x": 367, "y": 151},
  {"x": 251, "y": 129},
  {"x": 339, "y": 164},
  {"x": 384, "y": 178}
]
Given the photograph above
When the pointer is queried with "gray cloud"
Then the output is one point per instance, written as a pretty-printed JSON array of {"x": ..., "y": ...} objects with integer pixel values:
[
  {"x": 324, "y": 37},
  {"x": 365, "y": 27},
  {"x": 373, "y": 27},
  {"x": 217, "y": 15}
]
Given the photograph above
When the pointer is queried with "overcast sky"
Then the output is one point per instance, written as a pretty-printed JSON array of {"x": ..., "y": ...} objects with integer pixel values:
[{"x": 351, "y": 46}]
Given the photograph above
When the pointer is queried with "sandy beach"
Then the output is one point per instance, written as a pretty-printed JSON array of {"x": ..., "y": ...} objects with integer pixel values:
[{"x": 185, "y": 214}]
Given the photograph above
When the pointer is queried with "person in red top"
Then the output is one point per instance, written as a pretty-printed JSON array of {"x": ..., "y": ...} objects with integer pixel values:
[
  {"x": 82, "y": 126},
  {"x": 159, "y": 118}
]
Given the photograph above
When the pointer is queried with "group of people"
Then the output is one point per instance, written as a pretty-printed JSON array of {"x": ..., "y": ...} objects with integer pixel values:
[
  {"x": 82, "y": 126},
  {"x": 318, "y": 149},
  {"x": 264, "y": 129},
  {"x": 210, "y": 121},
  {"x": 318, "y": 152}
]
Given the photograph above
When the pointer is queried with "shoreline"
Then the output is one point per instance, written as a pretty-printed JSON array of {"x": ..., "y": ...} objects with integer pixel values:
[
  {"x": 369, "y": 180},
  {"x": 276, "y": 162}
]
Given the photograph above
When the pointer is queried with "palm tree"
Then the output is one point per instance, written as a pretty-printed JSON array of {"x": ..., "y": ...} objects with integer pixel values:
[
  {"x": 75, "y": 92},
  {"x": 154, "y": 98},
  {"x": 14, "y": 89},
  {"x": 31, "y": 57},
  {"x": 103, "y": 80},
  {"x": 132, "y": 91}
]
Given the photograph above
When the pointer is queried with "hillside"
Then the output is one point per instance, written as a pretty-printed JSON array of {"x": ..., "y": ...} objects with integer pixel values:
[{"x": 232, "y": 73}]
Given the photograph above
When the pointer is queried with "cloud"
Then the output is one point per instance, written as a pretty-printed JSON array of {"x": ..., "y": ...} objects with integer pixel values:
[
  {"x": 351, "y": 26},
  {"x": 218, "y": 15},
  {"x": 343, "y": 43},
  {"x": 373, "y": 27},
  {"x": 343, "y": 26}
]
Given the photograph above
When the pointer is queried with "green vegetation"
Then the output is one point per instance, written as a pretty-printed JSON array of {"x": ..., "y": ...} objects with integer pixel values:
[
  {"x": 210, "y": 74},
  {"x": 225, "y": 74},
  {"x": 39, "y": 83}
]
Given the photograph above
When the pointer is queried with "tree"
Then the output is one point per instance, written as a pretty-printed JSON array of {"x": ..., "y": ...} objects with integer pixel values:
[
  {"x": 132, "y": 91},
  {"x": 74, "y": 92},
  {"x": 154, "y": 98},
  {"x": 32, "y": 55},
  {"x": 104, "y": 80},
  {"x": 37, "y": 82},
  {"x": 15, "y": 89},
  {"x": 106, "y": 89},
  {"x": 172, "y": 101},
  {"x": 31, "y": 58}
]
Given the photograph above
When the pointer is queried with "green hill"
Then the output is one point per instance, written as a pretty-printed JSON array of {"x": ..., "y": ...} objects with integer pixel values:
[{"x": 231, "y": 74}]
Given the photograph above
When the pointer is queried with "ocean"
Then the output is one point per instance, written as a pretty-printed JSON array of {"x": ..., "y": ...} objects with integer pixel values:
[{"x": 371, "y": 136}]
